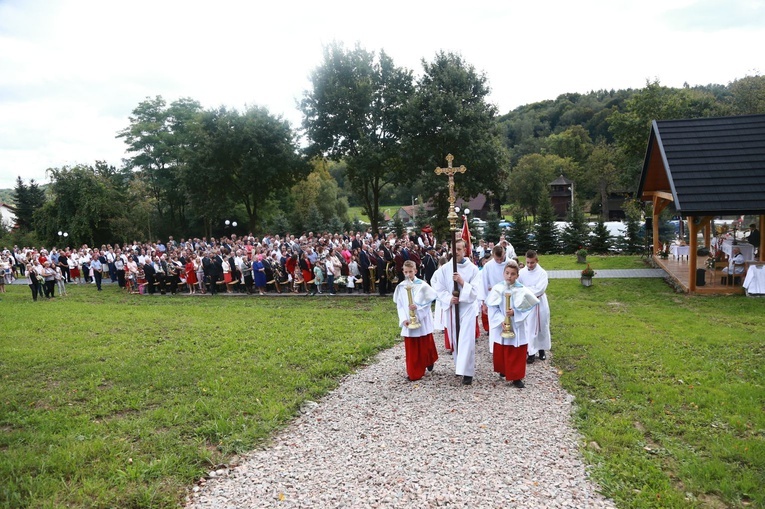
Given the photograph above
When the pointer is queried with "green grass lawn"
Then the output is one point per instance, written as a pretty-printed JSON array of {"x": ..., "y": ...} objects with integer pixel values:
[
  {"x": 123, "y": 401},
  {"x": 671, "y": 387},
  {"x": 597, "y": 262}
]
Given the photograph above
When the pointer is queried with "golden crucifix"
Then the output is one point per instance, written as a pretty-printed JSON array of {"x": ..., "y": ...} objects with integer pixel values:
[{"x": 450, "y": 171}]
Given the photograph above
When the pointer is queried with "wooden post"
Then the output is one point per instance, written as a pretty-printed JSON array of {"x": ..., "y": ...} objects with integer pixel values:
[
  {"x": 656, "y": 212},
  {"x": 693, "y": 247}
]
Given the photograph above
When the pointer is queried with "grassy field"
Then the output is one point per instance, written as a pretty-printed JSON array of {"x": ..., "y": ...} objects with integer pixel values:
[
  {"x": 670, "y": 387},
  {"x": 568, "y": 262},
  {"x": 116, "y": 401}
]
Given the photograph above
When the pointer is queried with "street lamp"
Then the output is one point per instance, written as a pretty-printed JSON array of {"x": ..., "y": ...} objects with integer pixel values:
[{"x": 414, "y": 210}]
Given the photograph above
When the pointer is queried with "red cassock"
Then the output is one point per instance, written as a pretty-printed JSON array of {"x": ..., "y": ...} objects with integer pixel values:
[
  {"x": 510, "y": 361},
  {"x": 420, "y": 353}
]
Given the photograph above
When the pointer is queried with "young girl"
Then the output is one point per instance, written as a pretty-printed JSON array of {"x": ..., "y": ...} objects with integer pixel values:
[
  {"x": 60, "y": 281},
  {"x": 511, "y": 340}
]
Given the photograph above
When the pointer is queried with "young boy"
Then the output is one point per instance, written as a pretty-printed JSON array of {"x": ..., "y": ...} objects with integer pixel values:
[
  {"x": 420, "y": 348},
  {"x": 510, "y": 352}
]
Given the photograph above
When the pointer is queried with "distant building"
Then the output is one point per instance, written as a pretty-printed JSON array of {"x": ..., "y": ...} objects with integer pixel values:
[
  {"x": 7, "y": 215},
  {"x": 562, "y": 196},
  {"x": 480, "y": 206}
]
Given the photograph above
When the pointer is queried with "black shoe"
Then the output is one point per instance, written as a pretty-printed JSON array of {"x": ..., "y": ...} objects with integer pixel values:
[
  {"x": 430, "y": 368},
  {"x": 542, "y": 355},
  {"x": 502, "y": 375},
  {"x": 530, "y": 359},
  {"x": 467, "y": 380},
  {"x": 519, "y": 384}
]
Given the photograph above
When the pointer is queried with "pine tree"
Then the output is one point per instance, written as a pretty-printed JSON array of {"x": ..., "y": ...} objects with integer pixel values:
[
  {"x": 492, "y": 231},
  {"x": 518, "y": 234},
  {"x": 23, "y": 207},
  {"x": 601, "y": 242},
  {"x": 546, "y": 232},
  {"x": 576, "y": 233}
]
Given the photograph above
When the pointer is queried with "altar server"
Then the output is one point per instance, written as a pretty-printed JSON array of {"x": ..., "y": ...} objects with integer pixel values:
[
  {"x": 419, "y": 345},
  {"x": 491, "y": 274},
  {"x": 511, "y": 337},
  {"x": 534, "y": 277}
]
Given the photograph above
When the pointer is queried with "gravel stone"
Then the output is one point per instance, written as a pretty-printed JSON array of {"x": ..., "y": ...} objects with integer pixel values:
[{"x": 381, "y": 441}]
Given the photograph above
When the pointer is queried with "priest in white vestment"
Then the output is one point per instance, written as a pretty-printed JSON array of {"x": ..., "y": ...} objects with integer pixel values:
[{"x": 468, "y": 280}]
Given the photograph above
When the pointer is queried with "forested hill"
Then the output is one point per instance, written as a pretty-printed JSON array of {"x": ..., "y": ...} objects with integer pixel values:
[
  {"x": 528, "y": 126},
  {"x": 6, "y": 196}
]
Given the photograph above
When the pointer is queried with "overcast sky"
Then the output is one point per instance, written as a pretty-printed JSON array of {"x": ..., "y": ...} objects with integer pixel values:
[{"x": 72, "y": 71}]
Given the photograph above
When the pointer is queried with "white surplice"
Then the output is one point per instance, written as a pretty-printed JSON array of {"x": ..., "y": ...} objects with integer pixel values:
[
  {"x": 523, "y": 303},
  {"x": 422, "y": 296},
  {"x": 536, "y": 281},
  {"x": 491, "y": 274}
]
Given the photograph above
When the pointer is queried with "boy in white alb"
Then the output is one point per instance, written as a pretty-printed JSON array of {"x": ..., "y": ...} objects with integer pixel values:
[
  {"x": 510, "y": 299},
  {"x": 534, "y": 277},
  {"x": 419, "y": 345}
]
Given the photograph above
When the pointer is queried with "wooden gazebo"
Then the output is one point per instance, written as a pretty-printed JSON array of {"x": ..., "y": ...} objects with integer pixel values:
[{"x": 706, "y": 167}]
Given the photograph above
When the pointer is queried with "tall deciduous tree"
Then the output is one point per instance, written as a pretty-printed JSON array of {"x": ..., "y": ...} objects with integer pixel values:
[
  {"x": 450, "y": 113},
  {"x": 90, "y": 203},
  {"x": 354, "y": 111},
  {"x": 748, "y": 95},
  {"x": 530, "y": 180},
  {"x": 159, "y": 138},
  {"x": 248, "y": 157}
]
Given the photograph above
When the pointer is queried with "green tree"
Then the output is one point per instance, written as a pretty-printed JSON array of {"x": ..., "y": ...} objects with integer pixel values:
[
  {"x": 90, "y": 203},
  {"x": 319, "y": 191},
  {"x": 546, "y": 234},
  {"x": 450, "y": 113},
  {"x": 603, "y": 170},
  {"x": 518, "y": 234},
  {"x": 159, "y": 138},
  {"x": 575, "y": 234},
  {"x": 633, "y": 238},
  {"x": 531, "y": 178},
  {"x": 601, "y": 241},
  {"x": 247, "y": 157},
  {"x": 748, "y": 95},
  {"x": 631, "y": 127},
  {"x": 492, "y": 231},
  {"x": 354, "y": 112},
  {"x": 27, "y": 199}
]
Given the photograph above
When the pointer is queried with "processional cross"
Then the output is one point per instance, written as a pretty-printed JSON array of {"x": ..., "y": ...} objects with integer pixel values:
[{"x": 449, "y": 171}]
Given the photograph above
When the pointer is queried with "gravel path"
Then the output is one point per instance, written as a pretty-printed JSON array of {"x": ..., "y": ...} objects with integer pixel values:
[{"x": 379, "y": 440}]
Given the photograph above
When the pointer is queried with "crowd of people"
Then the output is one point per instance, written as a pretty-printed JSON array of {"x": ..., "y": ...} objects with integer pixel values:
[{"x": 355, "y": 262}]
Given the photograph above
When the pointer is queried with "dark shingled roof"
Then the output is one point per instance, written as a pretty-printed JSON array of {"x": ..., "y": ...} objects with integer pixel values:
[{"x": 714, "y": 166}]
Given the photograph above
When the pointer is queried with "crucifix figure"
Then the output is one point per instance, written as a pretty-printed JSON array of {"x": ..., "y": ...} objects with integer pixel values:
[{"x": 450, "y": 171}]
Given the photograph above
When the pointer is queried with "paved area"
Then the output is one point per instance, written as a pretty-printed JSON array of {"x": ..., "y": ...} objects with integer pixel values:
[{"x": 609, "y": 273}]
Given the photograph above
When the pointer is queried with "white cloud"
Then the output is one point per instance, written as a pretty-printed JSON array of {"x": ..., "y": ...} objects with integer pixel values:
[{"x": 72, "y": 71}]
